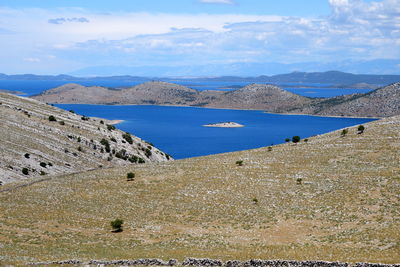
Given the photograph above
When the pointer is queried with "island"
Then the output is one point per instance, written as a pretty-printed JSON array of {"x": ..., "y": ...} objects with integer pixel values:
[{"x": 225, "y": 125}]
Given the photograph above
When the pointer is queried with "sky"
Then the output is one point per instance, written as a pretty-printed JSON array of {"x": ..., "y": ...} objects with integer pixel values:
[{"x": 63, "y": 36}]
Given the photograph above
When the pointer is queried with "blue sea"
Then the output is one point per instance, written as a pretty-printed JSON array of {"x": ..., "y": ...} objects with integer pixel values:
[{"x": 178, "y": 131}]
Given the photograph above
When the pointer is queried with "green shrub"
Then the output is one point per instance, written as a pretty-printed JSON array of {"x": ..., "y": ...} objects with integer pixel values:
[
  {"x": 239, "y": 162},
  {"x": 52, "y": 118},
  {"x": 299, "y": 180},
  {"x": 287, "y": 140},
  {"x": 255, "y": 200},
  {"x": 62, "y": 123},
  {"x": 110, "y": 127},
  {"x": 84, "y": 118},
  {"x": 113, "y": 139},
  {"x": 101, "y": 122},
  {"x": 133, "y": 159},
  {"x": 43, "y": 164},
  {"x": 72, "y": 111},
  {"x": 42, "y": 173},
  {"x": 130, "y": 176},
  {"x": 361, "y": 129},
  {"x": 128, "y": 138},
  {"x": 148, "y": 153},
  {"x": 344, "y": 132},
  {"x": 296, "y": 139},
  {"x": 25, "y": 171},
  {"x": 306, "y": 140},
  {"x": 117, "y": 225},
  {"x": 27, "y": 155},
  {"x": 106, "y": 145},
  {"x": 269, "y": 148},
  {"x": 140, "y": 160}
]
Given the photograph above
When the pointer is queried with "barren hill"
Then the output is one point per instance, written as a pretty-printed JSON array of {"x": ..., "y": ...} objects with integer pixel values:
[
  {"x": 260, "y": 96},
  {"x": 382, "y": 102},
  {"x": 32, "y": 144},
  {"x": 333, "y": 198}
]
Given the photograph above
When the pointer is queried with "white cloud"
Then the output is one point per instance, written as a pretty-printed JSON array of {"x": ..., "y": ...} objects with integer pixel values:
[
  {"x": 32, "y": 59},
  {"x": 229, "y": 2},
  {"x": 354, "y": 30}
]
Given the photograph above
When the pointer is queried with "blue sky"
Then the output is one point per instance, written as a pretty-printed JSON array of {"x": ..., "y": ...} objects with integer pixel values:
[{"x": 61, "y": 36}]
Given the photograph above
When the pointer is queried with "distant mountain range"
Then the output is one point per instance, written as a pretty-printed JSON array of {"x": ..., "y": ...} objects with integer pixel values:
[
  {"x": 330, "y": 77},
  {"x": 242, "y": 69},
  {"x": 381, "y": 102}
]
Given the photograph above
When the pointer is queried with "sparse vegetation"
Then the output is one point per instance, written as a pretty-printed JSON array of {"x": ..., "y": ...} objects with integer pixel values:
[
  {"x": 84, "y": 118},
  {"x": 239, "y": 162},
  {"x": 344, "y": 132},
  {"x": 27, "y": 155},
  {"x": 287, "y": 140},
  {"x": 299, "y": 180},
  {"x": 255, "y": 200},
  {"x": 306, "y": 140},
  {"x": 117, "y": 225},
  {"x": 43, "y": 164},
  {"x": 62, "y": 123}
]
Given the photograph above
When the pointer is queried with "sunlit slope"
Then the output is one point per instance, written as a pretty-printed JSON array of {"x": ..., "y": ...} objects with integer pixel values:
[{"x": 332, "y": 198}]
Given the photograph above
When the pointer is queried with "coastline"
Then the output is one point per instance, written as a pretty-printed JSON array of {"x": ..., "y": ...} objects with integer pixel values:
[{"x": 114, "y": 122}]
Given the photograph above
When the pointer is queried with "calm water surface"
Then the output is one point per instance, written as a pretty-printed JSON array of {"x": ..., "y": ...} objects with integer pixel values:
[{"x": 178, "y": 131}]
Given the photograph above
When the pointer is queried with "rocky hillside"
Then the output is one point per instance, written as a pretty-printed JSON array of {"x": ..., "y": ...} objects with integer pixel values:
[
  {"x": 382, "y": 102},
  {"x": 39, "y": 140},
  {"x": 332, "y": 197},
  {"x": 259, "y": 96}
]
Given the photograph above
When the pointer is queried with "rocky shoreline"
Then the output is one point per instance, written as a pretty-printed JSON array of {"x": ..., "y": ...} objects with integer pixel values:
[{"x": 213, "y": 262}]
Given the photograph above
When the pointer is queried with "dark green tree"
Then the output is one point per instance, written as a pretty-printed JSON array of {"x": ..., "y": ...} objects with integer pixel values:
[
  {"x": 296, "y": 139},
  {"x": 117, "y": 225}
]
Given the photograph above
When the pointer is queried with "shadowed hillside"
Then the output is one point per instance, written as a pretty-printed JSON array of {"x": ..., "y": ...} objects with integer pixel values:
[{"x": 334, "y": 197}]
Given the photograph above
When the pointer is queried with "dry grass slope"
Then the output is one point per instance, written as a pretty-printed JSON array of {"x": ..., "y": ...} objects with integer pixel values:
[{"x": 347, "y": 207}]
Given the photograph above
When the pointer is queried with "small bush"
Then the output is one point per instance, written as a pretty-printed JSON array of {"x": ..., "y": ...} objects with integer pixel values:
[
  {"x": 27, "y": 155},
  {"x": 52, "y": 118},
  {"x": 299, "y": 180},
  {"x": 130, "y": 176},
  {"x": 360, "y": 129},
  {"x": 25, "y": 171},
  {"x": 42, "y": 173},
  {"x": 128, "y": 138},
  {"x": 133, "y": 159},
  {"x": 269, "y": 148},
  {"x": 113, "y": 139},
  {"x": 43, "y": 164},
  {"x": 296, "y": 139},
  {"x": 101, "y": 122},
  {"x": 287, "y": 140},
  {"x": 344, "y": 132},
  {"x": 110, "y": 127},
  {"x": 50, "y": 164},
  {"x": 72, "y": 111},
  {"x": 148, "y": 153},
  {"x": 306, "y": 140},
  {"x": 62, "y": 123},
  {"x": 84, "y": 118},
  {"x": 239, "y": 162},
  {"x": 80, "y": 149},
  {"x": 117, "y": 225},
  {"x": 140, "y": 160},
  {"x": 255, "y": 200},
  {"x": 106, "y": 145}
]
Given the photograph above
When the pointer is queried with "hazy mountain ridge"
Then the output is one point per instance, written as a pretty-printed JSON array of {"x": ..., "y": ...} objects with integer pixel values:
[
  {"x": 382, "y": 102},
  {"x": 68, "y": 144}
]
